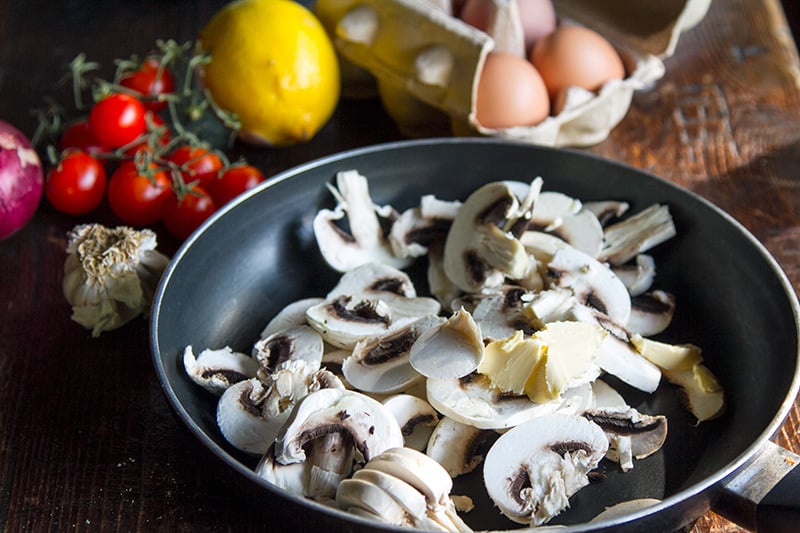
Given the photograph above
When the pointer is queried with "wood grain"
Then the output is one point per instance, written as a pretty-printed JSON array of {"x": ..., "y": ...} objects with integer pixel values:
[{"x": 87, "y": 440}]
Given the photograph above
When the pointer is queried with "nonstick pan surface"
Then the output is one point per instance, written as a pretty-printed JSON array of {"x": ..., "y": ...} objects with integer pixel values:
[{"x": 259, "y": 254}]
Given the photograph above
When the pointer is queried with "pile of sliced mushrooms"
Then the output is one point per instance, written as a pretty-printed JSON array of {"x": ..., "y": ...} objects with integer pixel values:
[{"x": 373, "y": 398}]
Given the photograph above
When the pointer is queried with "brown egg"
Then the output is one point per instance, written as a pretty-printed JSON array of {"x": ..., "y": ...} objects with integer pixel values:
[
  {"x": 538, "y": 17},
  {"x": 510, "y": 93},
  {"x": 576, "y": 56}
]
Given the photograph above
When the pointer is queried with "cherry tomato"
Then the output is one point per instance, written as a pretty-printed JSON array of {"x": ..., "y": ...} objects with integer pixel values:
[
  {"x": 150, "y": 83},
  {"x": 154, "y": 122},
  {"x": 196, "y": 163},
  {"x": 117, "y": 120},
  {"x": 80, "y": 136},
  {"x": 233, "y": 182},
  {"x": 137, "y": 199},
  {"x": 182, "y": 217},
  {"x": 77, "y": 184}
]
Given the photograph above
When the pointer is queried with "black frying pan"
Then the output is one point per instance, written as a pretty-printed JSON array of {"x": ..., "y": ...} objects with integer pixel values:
[{"x": 259, "y": 254}]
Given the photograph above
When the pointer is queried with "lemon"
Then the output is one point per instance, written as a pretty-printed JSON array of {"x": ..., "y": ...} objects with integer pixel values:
[{"x": 274, "y": 67}]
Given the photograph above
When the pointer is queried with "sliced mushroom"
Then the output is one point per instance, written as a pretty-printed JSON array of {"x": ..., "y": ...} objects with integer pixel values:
[
  {"x": 297, "y": 342},
  {"x": 216, "y": 370},
  {"x": 413, "y": 232},
  {"x": 606, "y": 210},
  {"x": 592, "y": 282},
  {"x": 381, "y": 364},
  {"x": 641, "y": 232},
  {"x": 370, "y": 426},
  {"x": 416, "y": 418},
  {"x": 292, "y": 315},
  {"x": 444, "y": 290},
  {"x": 582, "y": 230},
  {"x": 533, "y": 469},
  {"x": 648, "y": 432},
  {"x": 551, "y": 305},
  {"x": 366, "y": 242},
  {"x": 452, "y": 349},
  {"x": 373, "y": 280},
  {"x": 481, "y": 246},
  {"x": 625, "y": 508},
  {"x": 651, "y": 312},
  {"x": 637, "y": 277},
  {"x": 414, "y": 469},
  {"x": 541, "y": 245},
  {"x": 458, "y": 447},
  {"x": 472, "y": 400},
  {"x": 631, "y": 434},
  {"x": 500, "y": 313}
]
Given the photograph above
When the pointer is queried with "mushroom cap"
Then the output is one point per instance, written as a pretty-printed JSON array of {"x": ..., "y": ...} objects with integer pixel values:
[
  {"x": 452, "y": 349},
  {"x": 216, "y": 370},
  {"x": 416, "y": 418}
]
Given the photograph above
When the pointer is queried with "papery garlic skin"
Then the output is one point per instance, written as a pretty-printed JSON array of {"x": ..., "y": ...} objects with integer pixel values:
[{"x": 110, "y": 274}]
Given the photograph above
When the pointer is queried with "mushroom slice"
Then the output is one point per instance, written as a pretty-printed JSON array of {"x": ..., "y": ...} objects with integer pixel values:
[
  {"x": 370, "y": 426},
  {"x": 472, "y": 400},
  {"x": 551, "y": 305},
  {"x": 582, "y": 230},
  {"x": 648, "y": 433},
  {"x": 345, "y": 320},
  {"x": 427, "y": 477},
  {"x": 533, "y": 469},
  {"x": 416, "y": 418},
  {"x": 593, "y": 283},
  {"x": 682, "y": 365},
  {"x": 413, "y": 233},
  {"x": 552, "y": 208},
  {"x": 292, "y": 315},
  {"x": 240, "y": 419},
  {"x": 541, "y": 245},
  {"x": 500, "y": 313},
  {"x": 651, "y": 312},
  {"x": 297, "y": 342},
  {"x": 458, "y": 447},
  {"x": 381, "y": 364},
  {"x": 373, "y": 280},
  {"x": 216, "y": 370},
  {"x": 481, "y": 246},
  {"x": 606, "y": 396},
  {"x": 625, "y": 508},
  {"x": 606, "y": 210},
  {"x": 637, "y": 277},
  {"x": 639, "y": 233},
  {"x": 444, "y": 290},
  {"x": 366, "y": 242},
  {"x": 450, "y": 350}
]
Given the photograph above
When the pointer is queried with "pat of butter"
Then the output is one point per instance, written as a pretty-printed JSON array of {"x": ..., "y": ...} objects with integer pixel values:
[
  {"x": 508, "y": 362},
  {"x": 667, "y": 356}
]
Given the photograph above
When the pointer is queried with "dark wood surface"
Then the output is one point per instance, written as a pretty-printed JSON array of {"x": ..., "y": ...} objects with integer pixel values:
[{"x": 87, "y": 440}]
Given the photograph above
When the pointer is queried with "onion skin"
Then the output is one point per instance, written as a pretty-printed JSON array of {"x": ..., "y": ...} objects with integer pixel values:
[{"x": 21, "y": 180}]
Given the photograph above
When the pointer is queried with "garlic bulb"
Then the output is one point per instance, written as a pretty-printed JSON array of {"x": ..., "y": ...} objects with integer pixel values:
[{"x": 110, "y": 275}]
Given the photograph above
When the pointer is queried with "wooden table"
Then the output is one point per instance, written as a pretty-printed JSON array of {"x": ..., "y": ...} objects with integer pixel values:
[{"x": 87, "y": 440}]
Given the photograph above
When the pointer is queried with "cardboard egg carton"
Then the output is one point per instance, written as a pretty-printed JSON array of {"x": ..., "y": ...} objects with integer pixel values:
[{"x": 425, "y": 63}]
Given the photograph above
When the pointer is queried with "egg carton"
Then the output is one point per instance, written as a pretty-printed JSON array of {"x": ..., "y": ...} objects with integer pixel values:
[{"x": 424, "y": 63}]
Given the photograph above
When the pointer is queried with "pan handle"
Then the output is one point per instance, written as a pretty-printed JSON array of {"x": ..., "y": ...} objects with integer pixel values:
[{"x": 765, "y": 494}]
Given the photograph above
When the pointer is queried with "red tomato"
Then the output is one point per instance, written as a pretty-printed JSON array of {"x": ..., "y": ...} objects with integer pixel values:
[
  {"x": 182, "y": 217},
  {"x": 148, "y": 82},
  {"x": 137, "y": 199},
  {"x": 77, "y": 184},
  {"x": 196, "y": 164},
  {"x": 117, "y": 120},
  {"x": 233, "y": 182},
  {"x": 80, "y": 136}
]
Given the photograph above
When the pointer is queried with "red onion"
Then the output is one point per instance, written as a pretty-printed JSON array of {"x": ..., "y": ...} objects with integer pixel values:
[{"x": 21, "y": 180}]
